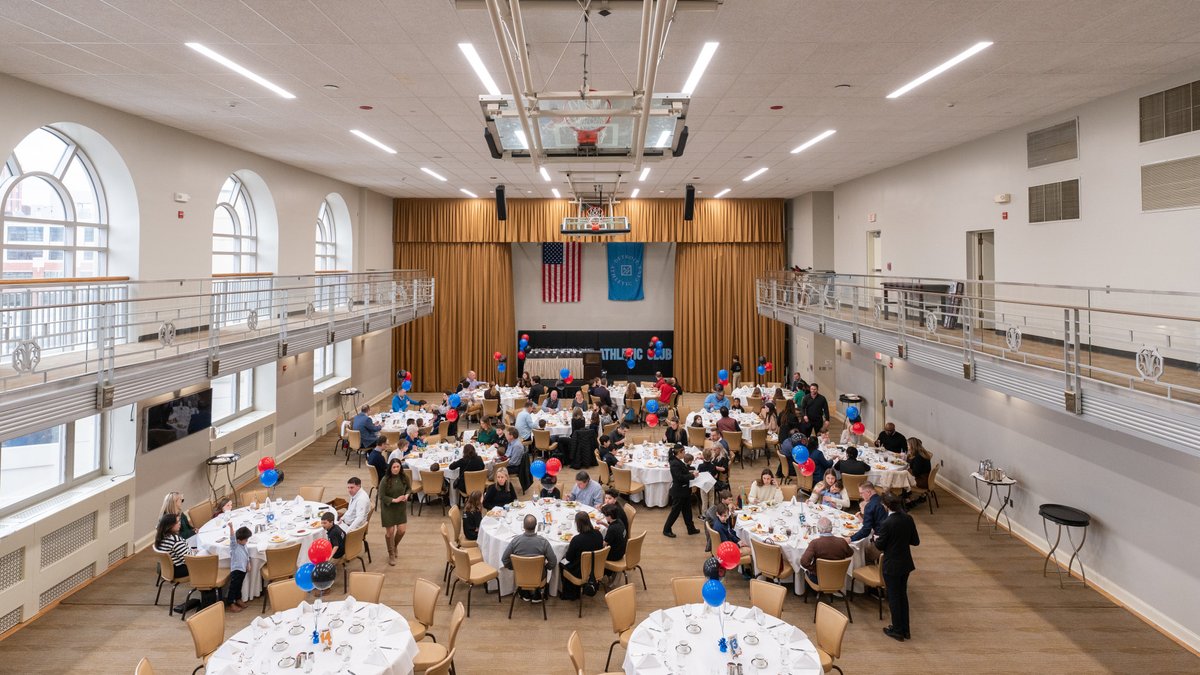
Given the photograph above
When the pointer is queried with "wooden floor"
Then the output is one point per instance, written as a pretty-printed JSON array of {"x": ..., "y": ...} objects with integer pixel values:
[{"x": 979, "y": 605}]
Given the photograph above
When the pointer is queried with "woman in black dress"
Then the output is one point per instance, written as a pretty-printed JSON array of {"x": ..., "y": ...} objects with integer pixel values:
[
  {"x": 587, "y": 539},
  {"x": 471, "y": 461}
]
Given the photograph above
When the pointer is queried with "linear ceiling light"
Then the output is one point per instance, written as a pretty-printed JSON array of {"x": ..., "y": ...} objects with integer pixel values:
[
  {"x": 814, "y": 140},
  {"x": 972, "y": 51},
  {"x": 240, "y": 69},
  {"x": 468, "y": 193},
  {"x": 468, "y": 51},
  {"x": 706, "y": 54},
  {"x": 435, "y": 174},
  {"x": 754, "y": 175},
  {"x": 645, "y": 173},
  {"x": 556, "y": 193},
  {"x": 545, "y": 174},
  {"x": 722, "y": 193},
  {"x": 372, "y": 141},
  {"x": 634, "y": 194}
]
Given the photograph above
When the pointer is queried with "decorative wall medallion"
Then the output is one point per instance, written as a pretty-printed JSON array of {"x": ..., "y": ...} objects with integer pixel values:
[
  {"x": 26, "y": 356},
  {"x": 1149, "y": 363},
  {"x": 310, "y": 311},
  {"x": 1012, "y": 337},
  {"x": 166, "y": 333},
  {"x": 252, "y": 319},
  {"x": 931, "y": 321}
]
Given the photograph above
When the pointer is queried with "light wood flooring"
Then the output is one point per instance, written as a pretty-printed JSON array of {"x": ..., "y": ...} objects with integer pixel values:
[{"x": 979, "y": 605}]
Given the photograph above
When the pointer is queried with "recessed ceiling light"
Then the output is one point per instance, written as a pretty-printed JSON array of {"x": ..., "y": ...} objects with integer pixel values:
[
  {"x": 706, "y": 54},
  {"x": 529, "y": 192},
  {"x": 722, "y": 193},
  {"x": 644, "y": 174},
  {"x": 468, "y": 193},
  {"x": 468, "y": 51},
  {"x": 634, "y": 194},
  {"x": 814, "y": 140},
  {"x": 963, "y": 56},
  {"x": 754, "y": 175},
  {"x": 435, "y": 174},
  {"x": 556, "y": 193},
  {"x": 545, "y": 174},
  {"x": 240, "y": 69},
  {"x": 663, "y": 138},
  {"x": 662, "y": 192},
  {"x": 372, "y": 141},
  {"x": 330, "y": 87}
]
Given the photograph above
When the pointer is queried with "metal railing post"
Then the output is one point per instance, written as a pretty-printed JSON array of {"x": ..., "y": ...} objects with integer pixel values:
[{"x": 1078, "y": 386}]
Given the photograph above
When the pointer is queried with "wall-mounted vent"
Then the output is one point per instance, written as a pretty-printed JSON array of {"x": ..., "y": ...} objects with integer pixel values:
[
  {"x": 10, "y": 620},
  {"x": 318, "y": 407},
  {"x": 66, "y": 586},
  {"x": 1171, "y": 185},
  {"x": 268, "y": 435},
  {"x": 1053, "y": 144},
  {"x": 246, "y": 445},
  {"x": 118, "y": 554},
  {"x": 118, "y": 512},
  {"x": 1054, "y": 201},
  {"x": 12, "y": 569},
  {"x": 67, "y": 539},
  {"x": 1170, "y": 113},
  {"x": 333, "y": 403}
]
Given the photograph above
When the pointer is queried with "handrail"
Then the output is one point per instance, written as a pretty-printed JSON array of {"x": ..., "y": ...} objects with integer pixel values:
[
  {"x": 240, "y": 275},
  {"x": 792, "y": 274},
  {"x": 66, "y": 281}
]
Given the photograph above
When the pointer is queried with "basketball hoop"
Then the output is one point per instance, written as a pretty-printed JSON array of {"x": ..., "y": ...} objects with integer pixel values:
[{"x": 595, "y": 217}]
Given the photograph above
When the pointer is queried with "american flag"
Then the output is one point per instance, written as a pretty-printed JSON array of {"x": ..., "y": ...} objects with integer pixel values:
[{"x": 561, "y": 265}]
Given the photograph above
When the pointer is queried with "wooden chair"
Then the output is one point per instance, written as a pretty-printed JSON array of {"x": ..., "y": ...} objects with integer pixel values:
[
  {"x": 783, "y": 467},
  {"x": 434, "y": 486},
  {"x": 687, "y": 589},
  {"x": 474, "y": 555},
  {"x": 622, "y": 609},
  {"x": 734, "y": 439},
  {"x": 831, "y": 630},
  {"x": 431, "y": 654},
  {"x": 715, "y": 541},
  {"x": 254, "y": 496},
  {"x": 631, "y": 561},
  {"x": 589, "y": 561},
  {"x": 206, "y": 574},
  {"x": 455, "y": 518},
  {"x": 575, "y": 653},
  {"x": 281, "y": 564},
  {"x": 930, "y": 493},
  {"x": 424, "y": 604},
  {"x": 392, "y": 436},
  {"x": 635, "y": 404},
  {"x": 625, "y": 484},
  {"x": 758, "y": 442},
  {"x": 805, "y": 483},
  {"x": 789, "y": 492},
  {"x": 313, "y": 493},
  {"x": 541, "y": 442},
  {"x": 595, "y": 400},
  {"x": 201, "y": 513},
  {"x": 519, "y": 403},
  {"x": 871, "y": 576},
  {"x": 166, "y": 575},
  {"x": 754, "y": 403},
  {"x": 474, "y": 480},
  {"x": 630, "y": 513},
  {"x": 542, "y": 399},
  {"x": 444, "y": 429},
  {"x": 144, "y": 667},
  {"x": 208, "y": 632},
  {"x": 768, "y": 597},
  {"x": 353, "y": 551},
  {"x": 529, "y": 574},
  {"x": 285, "y": 595},
  {"x": 471, "y": 574},
  {"x": 831, "y": 581},
  {"x": 607, "y": 429},
  {"x": 366, "y": 586},
  {"x": 696, "y": 436},
  {"x": 850, "y": 484},
  {"x": 354, "y": 445},
  {"x": 770, "y": 563},
  {"x": 604, "y": 470},
  {"x": 491, "y": 408}
]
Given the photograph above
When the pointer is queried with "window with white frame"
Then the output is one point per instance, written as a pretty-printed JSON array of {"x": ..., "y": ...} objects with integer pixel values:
[
  {"x": 55, "y": 220},
  {"x": 233, "y": 396},
  {"x": 323, "y": 363},
  {"x": 52, "y": 460},
  {"x": 326, "y": 254},
  {"x": 235, "y": 239}
]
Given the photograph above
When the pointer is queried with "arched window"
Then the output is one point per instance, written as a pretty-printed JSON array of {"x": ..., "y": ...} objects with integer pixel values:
[
  {"x": 55, "y": 220},
  {"x": 326, "y": 239},
  {"x": 235, "y": 239}
]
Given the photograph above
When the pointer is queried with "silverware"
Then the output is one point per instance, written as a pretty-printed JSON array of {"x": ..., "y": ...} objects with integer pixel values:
[{"x": 238, "y": 641}]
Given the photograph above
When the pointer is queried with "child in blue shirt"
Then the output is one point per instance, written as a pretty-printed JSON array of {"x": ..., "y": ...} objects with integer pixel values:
[{"x": 239, "y": 558}]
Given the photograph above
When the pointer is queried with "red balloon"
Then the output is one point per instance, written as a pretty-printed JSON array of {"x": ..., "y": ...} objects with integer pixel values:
[
  {"x": 569, "y": 379},
  {"x": 452, "y": 415},
  {"x": 769, "y": 366},
  {"x": 521, "y": 356},
  {"x": 524, "y": 336},
  {"x": 650, "y": 353},
  {"x": 654, "y": 339},
  {"x": 652, "y": 419},
  {"x": 858, "y": 427},
  {"x": 729, "y": 554},
  {"x": 553, "y": 466},
  {"x": 629, "y": 352},
  {"x": 724, "y": 383},
  {"x": 408, "y": 376},
  {"x": 321, "y": 550},
  {"x": 808, "y": 467},
  {"x": 266, "y": 464},
  {"x": 496, "y": 356}
]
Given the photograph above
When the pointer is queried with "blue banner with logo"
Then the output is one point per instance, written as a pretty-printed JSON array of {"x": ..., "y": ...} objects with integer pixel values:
[{"x": 625, "y": 271}]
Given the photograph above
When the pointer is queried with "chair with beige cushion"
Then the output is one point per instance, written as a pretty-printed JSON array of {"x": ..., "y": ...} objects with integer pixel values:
[
  {"x": 783, "y": 467},
  {"x": 850, "y": 484},
  {"x": 312, "y": 493},
  {"x": 871, "y": 576},
  {"x": 686, "y": 590},
  {"x": 831, "y": 581},
  {"x": 455, "y": 518},
  {"x": 758, "y": 441},
  {"x": 541, "y": 442},
  {"x": 144, "y": 667},
  {"x": 734, "y": 439},
  {"x": 474, "y": 480},
  {"x": 769, "y": 561},
  {"x": 634, "y": 404},
  {"x": 353, "y": 551},
  {"x": 768, "y": 597},
  {"x": 754, "y": 404},
  {"x": 622, "y": 608},
  {"x": 604, "y": 469},
  {"x": 471, "y": 574},
  {"x": 208, "y": 632},
  {"x": 491, "y": 408},
  {"x": 254, "y": 497},
  {"x": 625, "y": 484},
  {"x": 575, "y": 653},
  {"x": 424, "y": 604},
  {"x": 591, "y": 566},
  {"x": 285, "y": 595},
  {"x": 930, "y": 493},
  {"x": 630, "y": 514},
  {"x": 529, "y": 574},
  {"x": 607, "y": 429},
  {"x": 696, "y": 436},
  {"x": 431, "y": 654},
  {"x": 206, "y": 574},
  {"x": 435, "y": 487},
  {"x": 474, "y": 555},
  {"x": 166, "y": 575},
  {"x": 354, "y": 445},
  {"x": 631, "y": 561},
  {"x": 392, "y": 436},
  {"x": 366, "y": 586},
  {"x": 789, "y": 492},
  {"x": 200, "y": 514},
  {"x": 831, "y": 630},
  {"x": 281, "y": 564},
  {"x": 441, "y": 667}
]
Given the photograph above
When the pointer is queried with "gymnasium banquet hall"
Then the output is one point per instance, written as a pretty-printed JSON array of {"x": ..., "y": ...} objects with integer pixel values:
[{"x": 577, "y": 337}]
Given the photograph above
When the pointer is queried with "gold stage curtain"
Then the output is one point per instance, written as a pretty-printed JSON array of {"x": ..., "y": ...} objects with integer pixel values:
[
  {"x": 716, "y": 315},
  {"x": 473, "y": 315},
  {"x": 540, "y": 220}
]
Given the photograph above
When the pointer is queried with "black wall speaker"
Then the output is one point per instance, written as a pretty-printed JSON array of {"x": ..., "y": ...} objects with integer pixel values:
[
  {"x": 681, "y": 143},
  {"x": 689, "y": 202},
  {"x": 493, "y": 147},
  {"x": 501, "y": 205}
]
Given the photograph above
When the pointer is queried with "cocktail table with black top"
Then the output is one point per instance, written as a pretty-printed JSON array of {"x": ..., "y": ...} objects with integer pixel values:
[{"x": 1068, "y": 517}]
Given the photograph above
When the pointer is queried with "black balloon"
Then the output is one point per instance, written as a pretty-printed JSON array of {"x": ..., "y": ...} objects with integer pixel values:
[
  {"x": 712, "y": 568},
  {"x": 324, "y": 575}
]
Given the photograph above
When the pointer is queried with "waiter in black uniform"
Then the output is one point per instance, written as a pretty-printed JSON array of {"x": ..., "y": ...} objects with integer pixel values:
[
  {"x": 897, "y": 536},
  {"x": 681, "y": 493}
]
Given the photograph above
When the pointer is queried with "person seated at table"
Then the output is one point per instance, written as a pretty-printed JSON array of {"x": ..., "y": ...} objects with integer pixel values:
[
  {"x": 472, "y": 515},
  {"x": 377, "y": 457},
  {"x": 578, "y": 403},
  {"x": 224, "y": 505},
  {"x": 358, "y": 510},
  {"x": 769, "y": 417},
  {"x": 524, "y": 422},
  {"x": 441, "y": 410},
  {"x": 787, "y": 447},
  {"x": 674, "y": 433},
  {"x": 821, "y": 463},
  {"x": 470, "y": 461},
  {"x": 604, "y": 414},
  {"x": 764, "y": 489},
  {"x": 401, "y": 401},
  {"x": 723, "y": 524},
  {"x": 606, "y": 453},
  {"x": 492, "y": 392},
  {"x": 530, "y": 544},
  {"x": 368, "y": 430},
  {"x": 611, "y": 496},
  {"x": 727, "y": 423},
  {"x": 735, "y": 405},
  {"x": 586, "y": 539},
  {"x": 873, "y": 515},
  {"x": 515, "y": 451},
  {"x": 239, "y": 560},
  {"x": 617, "y": 535},
  {"x": 469, "y": 383},
  {"x": 173, "y": 503},
  {"x": 797, "y": 383},
  {"x": 716, "y": 400},
  {"x": 586, "y": 491},
  {"x": 599, "y": 390},
  {"x": 524, "y": 381},
  {"x": 551, "y": 402},
  {"x": 715, "y": 438},
  {"x": 920, "y": 464},
  {"x": 335, "y": 534},
  {"x": 549, "y": 488},
  {"x": 825, "y": 546},
  {"x": 500, "y": 493},
  {"x": 536, "y": 390},
  {"x": 618, "y": 435},
  {"x": 891, "y": 440},
  {"x": 721, "y": 497},
  {"x": 852, "y": 464},
  {"x": 756, "y": 392},
  {"x": 400, "y": 451},
  {"x": 830, "y": 492},
  {"x": 167, "y": 539},
  {"x": 665, "y": 391},
  {"x": 487, "y": 434}
]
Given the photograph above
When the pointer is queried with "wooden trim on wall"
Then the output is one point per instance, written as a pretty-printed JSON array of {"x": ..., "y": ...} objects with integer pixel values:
[
  {"x": 241, "y": 275},
  {"x": 61, "y": 282}
]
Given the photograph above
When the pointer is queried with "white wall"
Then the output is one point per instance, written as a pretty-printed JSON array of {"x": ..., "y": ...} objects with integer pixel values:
[{"x": 595, "y": 311}]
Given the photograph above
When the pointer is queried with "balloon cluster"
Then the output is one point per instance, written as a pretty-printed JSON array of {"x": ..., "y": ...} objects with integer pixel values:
[
  {"x": 727, "y": 556},
  {"x": 629, "y": 362},
  {"x": 764, "y": 366},
  {"x": 856, "y": 423},
  {"x": 656, "y": 347},
  {"x": 320, "y": 573},
  {"x": 267, "y": 475},
  {"x": 565, "y": 374},
  {"x": 406, "y": 379},
  {"x": 501, "y": 362},
  {"x": 652, "y": 408},
  {"x": 454, "y": 401},
  {"x": 540, "y": 469},
  {"x": 723, "y": 377},
  {"x": 522, "y": 345}
]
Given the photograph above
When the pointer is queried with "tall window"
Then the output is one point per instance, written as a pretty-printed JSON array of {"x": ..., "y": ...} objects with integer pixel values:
[
  {"x": 55, "y": 222},
  {"x": 233, "y": 396},
  {"x": 47, "y": 461},
  {"x": 326, "y": 239},
  {"x": 235, "y": 240},
  {"x": 323, "y": 363}
]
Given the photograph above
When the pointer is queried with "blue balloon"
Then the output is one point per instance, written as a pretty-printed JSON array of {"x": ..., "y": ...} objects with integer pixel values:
[
  {"x": 631, "y": 364},
  {"x": 854, "y": 419},
  {"x": 538, "y": 469},
  {"x": 269, "y": 478},
  {"x": 713, "y": 592},
  {"x": 304, "y": 576},
  {"x": 406, "y": 385},
  {"x": 455, "y": 400},
  {"x": 658, "y": 345},
  {"x": 652, "y": 406},
  {"x": 722, "y": 374},
  {"x": 523, "y": 343},
  {"x": 564, "y": 373},
  {"x": 852, "y": 411},
  {"x": 501, "y": 367},
  {"x": 800, "y": 454},
  {"x": 761, "y": 370}
]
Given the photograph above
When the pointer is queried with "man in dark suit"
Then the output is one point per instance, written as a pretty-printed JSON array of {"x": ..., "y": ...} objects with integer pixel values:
[
  {"x": 814, "y": 409},
  {"x": 897, "y": 536},
  {"x": 600, "y": 390},
  {"x": 681, "y": 493}
]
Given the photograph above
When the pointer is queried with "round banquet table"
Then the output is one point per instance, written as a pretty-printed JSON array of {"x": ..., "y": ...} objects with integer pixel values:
[
  {"x": 558, "y": 423},
  {"x": 748, "y": 420},
  {"x": 648, "y": 465},
  {"x": 500, "y": 526},
  {"x": 756, "y": 522},
  {"x": 507, "y": 396},
  {"x": 398, "y": 421},
  {"x": 684, "y": 639},
  {"x": 444, "y": 454},
  {"x": 888, "y": 469},
  {"x": 292, "y": 524},
  {"x": 393, "y": 653},
  {"x": 768, "y": 394}
]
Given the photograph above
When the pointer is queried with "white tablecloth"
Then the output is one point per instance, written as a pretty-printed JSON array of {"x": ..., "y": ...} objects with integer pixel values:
[
  {"x": 888, "y": 470},
  {"x": 648, "y": 464},
  {"x": 756, "y": 521},
  {"x": 768, "y": 394},
  {"x": 292, "y": 524},
  {"x": 398, "y": 421},
  {"x": 748, "y": 420},
  {"x": 658, "y": 649},
  {"x": 558, "y": 423},
  {"x": 549, "y": 368},
  {"x": 393, "y": 654},
  {"x": 496, "y": 532},
  {"x": 507, "y": 396},
  {"x": 444, "y": 454}
]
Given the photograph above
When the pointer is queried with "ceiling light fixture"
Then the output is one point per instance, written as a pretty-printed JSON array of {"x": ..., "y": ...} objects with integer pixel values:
[
  {"x": 706, "y": 54},
  {"x": 754, "y": 175},
  {"x": 972, "y": 51},
  {"x": 468, "y": 193},
  {"x": 556, "y": 193},
  {"x": 435, "y": 174},
  {"x": 545, "y": 174},
  {"x": 663, "y": 138},
  {"x": 634, "y": 194},
  {"x": 722, "y": 193},
  {"x": 240, "y": 69},
  {"x": 814, "y": 140},
  {"x": 468, "y": 51},
  {"x": 644, "y": 174},
  {"x": 372, "y": 141}
]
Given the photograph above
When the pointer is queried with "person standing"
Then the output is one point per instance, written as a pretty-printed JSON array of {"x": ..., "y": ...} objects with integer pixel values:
[
  {"x": 897, "y": 536},
  {"x": 394, "y": 492},
  {"x": 680, "y": 494},
  {"x": 735, "y": 371},
  {"x": 814, "y": 409}
]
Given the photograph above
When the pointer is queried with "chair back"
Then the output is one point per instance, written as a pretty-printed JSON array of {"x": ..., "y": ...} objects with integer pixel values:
[
  {"x": 353, "y": 546},
  {"x": 850, "y": 484},
  {"x": 312, "y": 493},
  {"x": 491, "y": 407},
  {"x": 444, "y": 429},
  {"x": 519, "y": 403},
  {"x": 529, "y": 572},
  {"x": 541, "y": 439},
  {"x": 425, "y": 597},
  {"x": 714, "y": 539},
  {"x": 202, "y": 570},
  {"x": 575, "y": 651},
  {"x": 456, "y": 621},
  {"x": 392, "y": 436},
  {"x": 622, "y": 608},
  {"x": 475, "y": 480},
  {"x": 144, "y": 667},
  {"x": 455, "y": 516},
  {"x": 433, "y": 482},
  {"x": 622, "y": 479},
  {"x": 831, "y": 628},
  {"x": 285, "y": 594},
  {"x": 789, "y": 492},
  {"x": 831, "y": 574},
  {"x": 595, "y": 400},
  {"x": 768, "y": 597},
  {"x": 696, "y": 436},
  {"x": 630, "y": 513},
  {"x": 804, "y": 482},
  {"x": 734, "y": 439},
  {"x": 542, "y": 399},
  {"x": 446, "y": 538},
  {"x": 596, "y": 559},
  {"x": 281, "y": 562},
  {"x": 687, "y": 589},
  {"x": 441, "y": 667},
  {"x": 768, "y": 558},
  {"x": 256, "y": 496},
  {"x": 166, "y": 568},
  {"x": 634, "y": 404},
  {"x": 607, "y": 429},
  {"x": 208, "y": 629},
  {"x": 930, "y": 482},
  {"x": 604, "y": 469},
  {"x": 366, "y": 586},
  {"x": 758, "y": 438},
  {"x": 200, "y": 514},
  {"x": 462, "y": 563},
  {"x": 633, "y": 550},
  {"x": 354, "y": 438},
  {"x": 754, "y": 403}
]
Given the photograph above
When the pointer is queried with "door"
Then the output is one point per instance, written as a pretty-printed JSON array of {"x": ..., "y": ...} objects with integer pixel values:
[
  {"x": 981, "y": 268},
  {"x": 880, "y": 415}
]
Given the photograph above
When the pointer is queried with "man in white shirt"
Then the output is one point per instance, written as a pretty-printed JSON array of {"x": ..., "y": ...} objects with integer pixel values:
[
  {"x": 359, "y": 509},
  {"x": 525, "y": 420}
]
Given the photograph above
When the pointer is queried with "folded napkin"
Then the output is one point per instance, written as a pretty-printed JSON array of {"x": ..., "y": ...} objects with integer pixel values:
[
  {"x": 377, "y": 658},
  {"x": 305, "y": 608},
  {"x": 298, "y": 499},
  {"x": 646, "y": 638},
  {"x": 397, "y": 626},
  {"x": 665, "y": 621},
  {"x": 229, "y": 669},
  {"x": 348, "y": 605},
  {"x": 648, "y": 661},
  {"x": 757, "y": 615},
  {"x": 263, "y": 623}
]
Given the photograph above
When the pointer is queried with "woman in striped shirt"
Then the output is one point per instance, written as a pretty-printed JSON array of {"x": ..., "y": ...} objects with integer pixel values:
[{"x": 167, "y": 540}]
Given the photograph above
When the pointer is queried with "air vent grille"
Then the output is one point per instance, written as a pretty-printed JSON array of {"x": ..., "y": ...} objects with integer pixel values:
[
  {"x": 246, "y": 445},
  {"x": 1171, "y": 185},
  {"x": 268, "y": 435},
  {"x": 118, "y": 512},
  {"x": 12, "y": 569},
  {"x": 1054, "y": 201},
  {"x": 66, "y": 586},
  {"x": 1053, "y": 144},
  {"x": 1170, "y": 113},
  {"x": 67, "y": 539},
  {"x": 117, "y": 554},
  {"x": 10, "y": 620}
]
